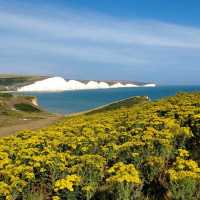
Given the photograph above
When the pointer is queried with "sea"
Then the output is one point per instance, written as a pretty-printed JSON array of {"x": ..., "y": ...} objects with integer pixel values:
[{"x": 77, "y": 101}]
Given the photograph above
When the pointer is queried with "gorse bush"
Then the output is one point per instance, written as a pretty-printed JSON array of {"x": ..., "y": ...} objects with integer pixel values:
[{"x": 146, "y": 151}]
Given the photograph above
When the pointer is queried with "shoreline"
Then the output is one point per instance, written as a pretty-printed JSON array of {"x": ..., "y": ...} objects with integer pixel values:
[
  {"x": 98, "y": 108},
  {"x": 53, "y": 118}
]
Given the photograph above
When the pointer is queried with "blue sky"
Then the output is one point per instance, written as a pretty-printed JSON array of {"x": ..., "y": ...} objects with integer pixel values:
[{"x": 135, "y": 40}]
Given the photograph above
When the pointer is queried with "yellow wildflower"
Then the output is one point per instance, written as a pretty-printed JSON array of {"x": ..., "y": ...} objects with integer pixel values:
[
  {"x": 121, "y": 172},
  {"x": 67, "y": 183},
  {"x": 55, "y": 198}
]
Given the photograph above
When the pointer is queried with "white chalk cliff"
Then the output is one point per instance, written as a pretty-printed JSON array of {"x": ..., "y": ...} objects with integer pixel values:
[
  {"x": 150, "y": 85},
  {"x": 60, "y": 84}
]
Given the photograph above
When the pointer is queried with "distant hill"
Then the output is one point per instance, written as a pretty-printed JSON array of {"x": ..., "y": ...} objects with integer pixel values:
[{"x": 12, "y": 82}]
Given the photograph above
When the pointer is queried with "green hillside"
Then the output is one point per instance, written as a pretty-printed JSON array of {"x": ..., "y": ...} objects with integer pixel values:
[
  {"x": 124, "y": 103},
  {"x": 143, "y": 151},
  {"x": 15, "y": 109},
  {"x": 12, "y": 82},
  {"x": 19, "y": 112}
]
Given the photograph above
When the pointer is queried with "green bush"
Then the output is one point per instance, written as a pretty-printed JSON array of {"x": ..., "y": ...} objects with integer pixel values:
[
  {"x": 26, "y": 107},
  {"x": 6, "y": 95}
]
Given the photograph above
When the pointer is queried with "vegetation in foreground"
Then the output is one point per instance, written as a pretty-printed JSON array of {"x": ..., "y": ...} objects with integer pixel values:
[{"x": 146, "y": 151}]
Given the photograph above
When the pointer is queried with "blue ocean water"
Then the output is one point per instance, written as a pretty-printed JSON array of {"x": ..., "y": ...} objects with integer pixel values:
[{"x": 77, "y": 101}]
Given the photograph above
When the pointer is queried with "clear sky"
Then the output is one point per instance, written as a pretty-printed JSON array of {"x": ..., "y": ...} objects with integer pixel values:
[{"x": 139, "y": 40}]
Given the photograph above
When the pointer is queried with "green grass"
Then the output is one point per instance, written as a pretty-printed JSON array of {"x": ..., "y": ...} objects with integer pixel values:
[
  {"x": 26, "y": 107},
  {"x": 14, "y": 108},
  {"x": 124, "y": 103},
  {"x": 11, "y": 82},
  {"x": 5, "y": 95}
]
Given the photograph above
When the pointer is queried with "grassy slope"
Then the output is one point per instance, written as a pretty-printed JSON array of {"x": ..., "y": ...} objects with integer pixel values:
[
  {"x": 19, "y": 112},
  {"x": 124, "y": 103}
]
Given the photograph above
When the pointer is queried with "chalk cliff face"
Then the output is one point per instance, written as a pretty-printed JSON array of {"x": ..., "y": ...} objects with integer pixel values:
[
  {"x": 150, "y": 85},
  {"x": 60, "y": 84}
]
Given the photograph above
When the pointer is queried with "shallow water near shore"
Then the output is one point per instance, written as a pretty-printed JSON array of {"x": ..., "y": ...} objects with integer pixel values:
[{"x": 77, "y": 101}]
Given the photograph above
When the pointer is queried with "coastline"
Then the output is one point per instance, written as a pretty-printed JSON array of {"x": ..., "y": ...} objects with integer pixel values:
[
  {"x": 99, "y": 108},
  {"x": 53, "y": 118},
  {"x": 21, "y": 112},
  {"x": 169, "y": 92}
]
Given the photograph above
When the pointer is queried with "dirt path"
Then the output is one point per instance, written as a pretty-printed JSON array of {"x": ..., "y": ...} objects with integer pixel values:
[{"x": 30, "y": 125}]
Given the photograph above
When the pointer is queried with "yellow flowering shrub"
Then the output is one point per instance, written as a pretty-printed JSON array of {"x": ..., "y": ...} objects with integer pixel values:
[
  {"x": 5, "y": 190},
  {"x": 121, "y": 173},
  {"x": 184, "y": 168},
  {"x": 67, "y": 183},
  {"x": 56, "y": 198},
  {"x": 184, "y": 176},
  {"x": 111, "y": 154}
]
